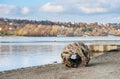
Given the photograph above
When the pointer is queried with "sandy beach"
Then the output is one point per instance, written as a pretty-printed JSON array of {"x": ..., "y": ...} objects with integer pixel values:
[{"x": 106, "y": 66}]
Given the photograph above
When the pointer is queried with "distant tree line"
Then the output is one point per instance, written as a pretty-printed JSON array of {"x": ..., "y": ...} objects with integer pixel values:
[{"x": 49, "y": 28}]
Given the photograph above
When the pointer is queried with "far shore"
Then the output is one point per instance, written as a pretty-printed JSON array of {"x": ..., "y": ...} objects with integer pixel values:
[
  {"x": 55, "y": 36},
  {"x": 116, "y": 42}
]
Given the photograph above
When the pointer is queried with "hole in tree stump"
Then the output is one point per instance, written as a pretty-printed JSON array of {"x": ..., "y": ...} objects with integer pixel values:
[{"x": 75, "y": 60}]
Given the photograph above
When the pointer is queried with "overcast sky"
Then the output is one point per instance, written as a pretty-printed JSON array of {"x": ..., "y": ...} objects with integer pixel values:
[{"x": 102, "y": 11}]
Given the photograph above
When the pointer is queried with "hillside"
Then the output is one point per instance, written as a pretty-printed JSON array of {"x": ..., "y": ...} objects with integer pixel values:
[{"x": 48, "y": 28}]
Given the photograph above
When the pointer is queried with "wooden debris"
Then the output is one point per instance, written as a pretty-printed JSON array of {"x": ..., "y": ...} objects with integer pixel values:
[{"x": 75, "y": 55}]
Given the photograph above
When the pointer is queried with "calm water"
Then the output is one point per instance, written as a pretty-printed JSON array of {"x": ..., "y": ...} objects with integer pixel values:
[{"x": 18, "y": 52}]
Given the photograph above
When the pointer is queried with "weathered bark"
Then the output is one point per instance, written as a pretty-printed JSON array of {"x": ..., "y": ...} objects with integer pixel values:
[{"x": 75, "y": 55}]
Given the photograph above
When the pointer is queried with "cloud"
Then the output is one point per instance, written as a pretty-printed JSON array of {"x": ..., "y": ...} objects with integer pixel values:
[
  {"x": 90, "y": 10},
  {"x": 91, "y": 6},
  {"x": 11, "y": 10},
  {"x": 7, "y": 9},
  {"x": 50, "y": 7},
  {"x": 25, "y": 10}
]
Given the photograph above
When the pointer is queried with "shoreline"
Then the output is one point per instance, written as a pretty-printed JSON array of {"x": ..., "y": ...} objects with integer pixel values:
[
  {"x": 92, "y": 40},
  {"x": 106, "y": 66}
]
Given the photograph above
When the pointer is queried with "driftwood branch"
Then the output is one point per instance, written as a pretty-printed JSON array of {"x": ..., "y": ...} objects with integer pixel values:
[{"x": 75, "y": 55}]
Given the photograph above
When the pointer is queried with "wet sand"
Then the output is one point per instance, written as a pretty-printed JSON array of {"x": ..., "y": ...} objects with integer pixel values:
[{"x": 106, "y": 66}]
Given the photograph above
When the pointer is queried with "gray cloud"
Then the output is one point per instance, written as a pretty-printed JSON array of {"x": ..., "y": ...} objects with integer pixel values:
[
  {"x": 7, "y": 9},
  {"x": 13, "y": 10}
]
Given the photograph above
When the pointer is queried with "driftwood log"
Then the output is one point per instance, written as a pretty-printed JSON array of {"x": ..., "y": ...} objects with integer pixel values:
[{"x": 75, "y": 55}]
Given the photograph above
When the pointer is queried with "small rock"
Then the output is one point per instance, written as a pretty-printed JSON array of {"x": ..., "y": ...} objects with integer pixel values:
[{"x": 55, "y": 62}]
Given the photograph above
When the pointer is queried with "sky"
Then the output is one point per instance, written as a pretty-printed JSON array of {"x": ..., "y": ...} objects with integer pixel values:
[{"x": 101, "y": 11}]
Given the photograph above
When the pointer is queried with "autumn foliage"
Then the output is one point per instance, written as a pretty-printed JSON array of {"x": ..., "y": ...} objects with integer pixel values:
[{"x": 48, "y": 28}]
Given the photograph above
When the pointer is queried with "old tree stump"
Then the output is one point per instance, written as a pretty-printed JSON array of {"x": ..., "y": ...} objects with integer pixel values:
[{"x": 75, "y": 55}]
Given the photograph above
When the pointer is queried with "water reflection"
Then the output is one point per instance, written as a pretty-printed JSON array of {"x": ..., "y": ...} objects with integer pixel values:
[{"x": 17, "y": 56}]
